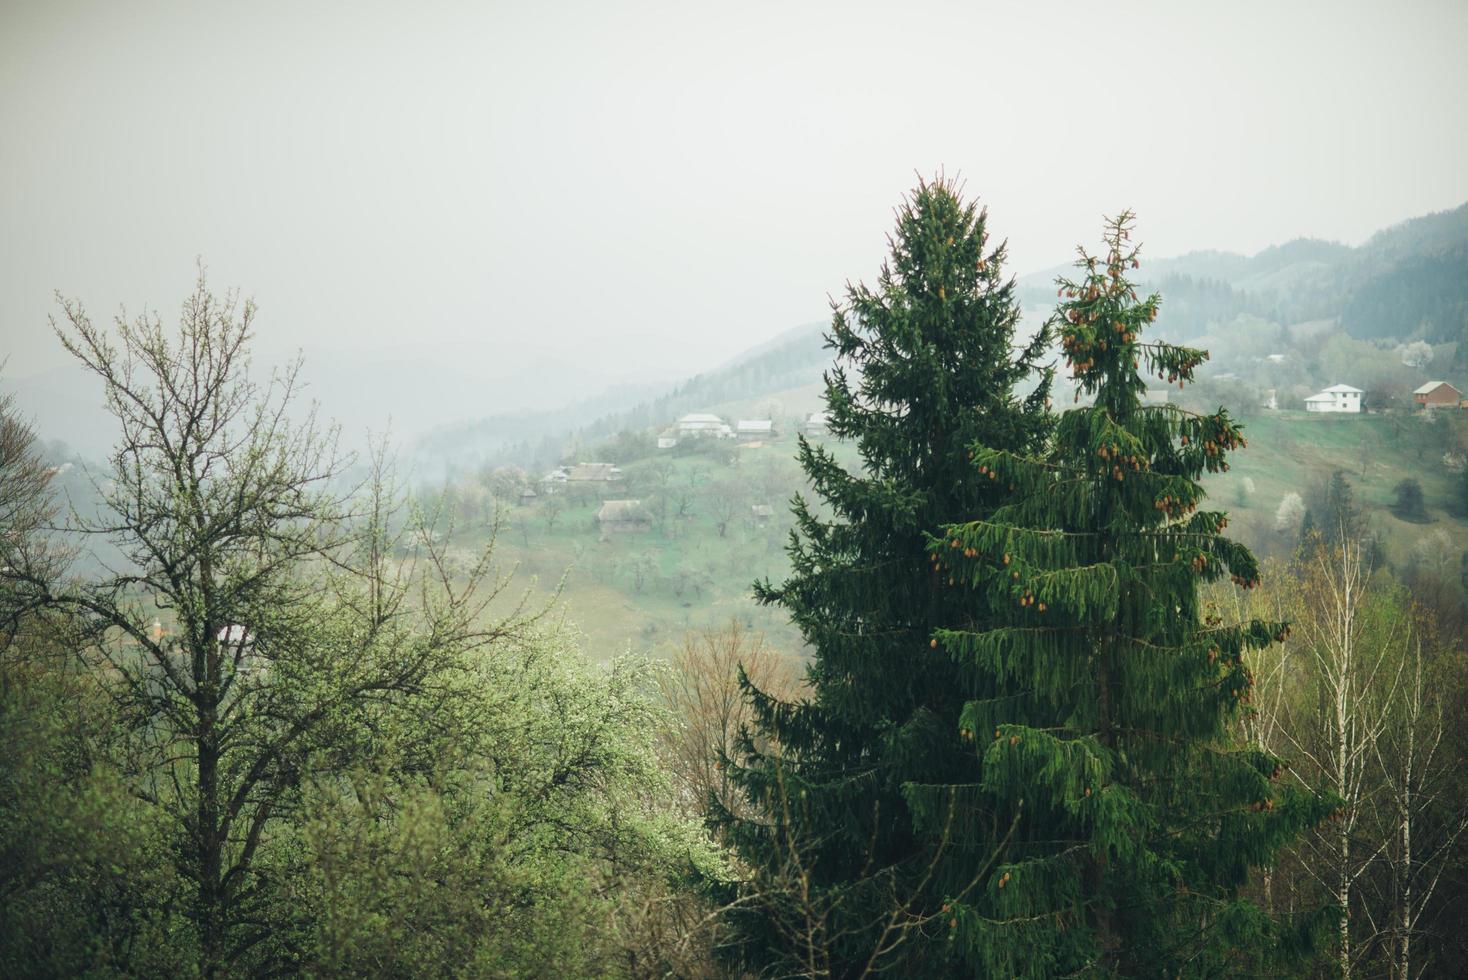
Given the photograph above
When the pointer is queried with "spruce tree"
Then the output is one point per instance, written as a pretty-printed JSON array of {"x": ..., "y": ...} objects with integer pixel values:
[
  {"x": 1106, "y": 701},
  {"x": 927, "y": 363},
  {"x": 1342, "y": 520}
]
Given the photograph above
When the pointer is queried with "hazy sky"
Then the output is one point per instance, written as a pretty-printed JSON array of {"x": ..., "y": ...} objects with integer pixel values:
[{"x": 644, "y": 189}]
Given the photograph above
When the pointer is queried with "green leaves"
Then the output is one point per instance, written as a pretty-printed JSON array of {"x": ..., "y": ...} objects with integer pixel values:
[{"x": 514, "y": 838}]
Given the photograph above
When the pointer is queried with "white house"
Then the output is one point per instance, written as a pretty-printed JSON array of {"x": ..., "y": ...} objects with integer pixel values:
[
  {"x": 752, "y": 429},
  {"x": 816, "y": 423},
  {"x": 667, "y": 439},
  {"x": 1336, "y": 398},
  {"x": 233, "y": 636},
  {"x": 238, "y": 646},
  {"x": 703, "y": 424}
]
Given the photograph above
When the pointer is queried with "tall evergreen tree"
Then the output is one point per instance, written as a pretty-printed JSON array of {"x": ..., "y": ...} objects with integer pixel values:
[
  {"x": 1106, "y": 695},
  {"x": 927, "y": 364},
  {"x": 1341, "y": 519}
]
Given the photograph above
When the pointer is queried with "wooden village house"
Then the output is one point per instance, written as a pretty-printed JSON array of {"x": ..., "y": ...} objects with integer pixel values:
[
  {"x": 699, "y": 424},
  {"x": 622, "y": 517},
  {"x": 1437, "y": 394},
  {"x": 594, "y": 473}
]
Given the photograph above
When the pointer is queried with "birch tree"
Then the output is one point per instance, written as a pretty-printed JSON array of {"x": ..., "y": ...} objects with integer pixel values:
[
  {"x": 1351, "y": 649},
  {"x": 1422, "y": 821}
]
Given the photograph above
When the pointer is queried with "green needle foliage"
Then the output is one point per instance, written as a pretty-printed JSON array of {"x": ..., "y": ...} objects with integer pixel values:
[
  {"x": 844, "y": 881},
  {"x": 1104, "y": 698}
]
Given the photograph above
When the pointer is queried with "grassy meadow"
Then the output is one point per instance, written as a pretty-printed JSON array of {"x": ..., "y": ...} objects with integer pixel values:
[{"x": 643, "y": 591}]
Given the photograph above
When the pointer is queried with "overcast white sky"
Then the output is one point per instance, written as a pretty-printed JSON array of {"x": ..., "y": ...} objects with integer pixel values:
[{"x": 644, "y": 189}]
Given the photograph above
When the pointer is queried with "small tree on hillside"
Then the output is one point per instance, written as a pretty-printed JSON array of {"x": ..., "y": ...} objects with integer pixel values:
[
  {"x": 726, "y": 502},
  {"x": 1336, "y": 516},
  {"x": 551, "y": 508},
  {"x": 1290, "y": 514},
  {"x": 1410, "y": 505}
]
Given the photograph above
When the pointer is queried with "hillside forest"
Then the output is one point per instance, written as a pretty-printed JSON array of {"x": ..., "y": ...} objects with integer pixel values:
[{"x": 1035, "y": 630}]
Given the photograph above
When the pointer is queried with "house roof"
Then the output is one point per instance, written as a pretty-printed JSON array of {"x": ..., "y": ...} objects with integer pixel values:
[
  {"x": 1432, "y": 386},
  {"x": 1341, "y": 389},
  {"x": 762, "y": 510},
  {"x": 1322, "y": 397},
  {"x": 594, "y": 472},
  {"x": 621, "y": 510},
  {"x": 704, "y": 417}
]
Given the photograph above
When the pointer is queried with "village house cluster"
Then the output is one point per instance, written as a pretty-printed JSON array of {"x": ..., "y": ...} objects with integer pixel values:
[
  {"x": 618, "y": 515},
  {"x": 704, "y": 425},
  {"x": 1344, "y": 398}
]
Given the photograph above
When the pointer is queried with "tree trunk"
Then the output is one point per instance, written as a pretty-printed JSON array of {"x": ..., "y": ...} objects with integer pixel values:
[
  {"x": 1343, "y": 896},
  {"x": 1343, "y": 832},
  {"x": 206, "y": 669},
  {"x": 1404, "y": 866},
  {"x": 1348, "y": 727},
  {"x": 211, "y": 898},
  {"x": 1107, "y": 928}
]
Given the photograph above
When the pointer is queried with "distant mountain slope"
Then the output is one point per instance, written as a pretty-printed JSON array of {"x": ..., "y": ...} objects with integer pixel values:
[
  {"x": 794, "y": 359},
  {"x": 1407, "y": 282},
  {"x": 520, "y": 434}
]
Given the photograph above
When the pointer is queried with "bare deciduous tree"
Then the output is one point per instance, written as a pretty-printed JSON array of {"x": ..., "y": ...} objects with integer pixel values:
[
  {"x": 1355, "y": 674},
  {"x": 1421, "y": 824},
  {"x": 726, "y": 501},
  {"x": 262, "y": 615},
  {"x": 702, "y": 689},
  {"x": 551, "y": 509},
  {"x": 25, "y": 510}
]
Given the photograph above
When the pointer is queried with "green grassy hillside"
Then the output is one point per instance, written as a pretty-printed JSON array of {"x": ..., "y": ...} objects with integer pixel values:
[
  {"x": 1294, "y": 452},
  {"x": 644, "y": 590},
  {"x": 692, "y": 568}
]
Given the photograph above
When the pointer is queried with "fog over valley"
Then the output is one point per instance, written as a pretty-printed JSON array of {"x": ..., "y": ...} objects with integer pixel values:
[{"x": 469, "y": 210}]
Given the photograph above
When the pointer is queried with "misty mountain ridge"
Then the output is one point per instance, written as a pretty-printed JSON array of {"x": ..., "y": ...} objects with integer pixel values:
[{"x": 1406, "y": 282}]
